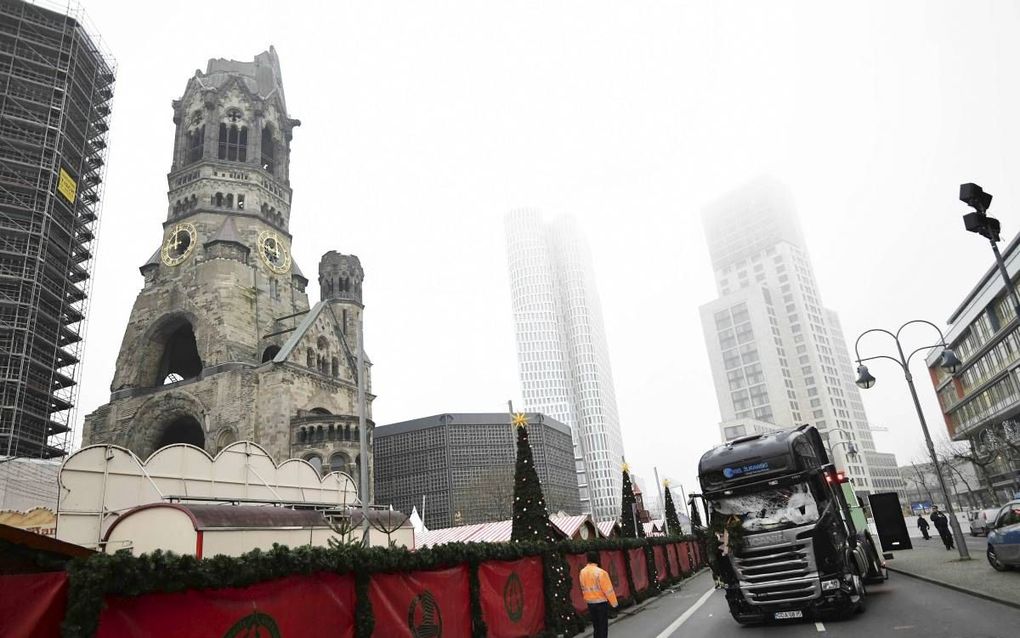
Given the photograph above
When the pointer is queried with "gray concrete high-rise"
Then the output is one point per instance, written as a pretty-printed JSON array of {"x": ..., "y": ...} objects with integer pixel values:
[
  {"x": 779, "y": 358},
  {"x": 562, "y": 352},
  {"x": 458, "y": 469},
  {"x": 55, "y": 91}
]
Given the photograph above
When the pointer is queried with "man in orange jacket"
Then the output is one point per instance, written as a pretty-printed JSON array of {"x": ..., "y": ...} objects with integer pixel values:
[{"x": 597, "y": 588}]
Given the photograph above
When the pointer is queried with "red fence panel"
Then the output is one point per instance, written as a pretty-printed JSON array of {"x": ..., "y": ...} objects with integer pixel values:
[
  {"x": 638, "y": 568},
  {"x": 683, "y": 549},
  {"x": 698, "y": 557},
  {"x": 674, "y": 565},
  {"x": 32, "y": 604},
  {"x": 576, "y": 562},
  {"x": 413, "y": 604},
  {"x": 659, "y": 553},
  {"x": 290, "y": 606},
  {"x": 513, "y": 602},
  {"x": 612, "y": 562}
]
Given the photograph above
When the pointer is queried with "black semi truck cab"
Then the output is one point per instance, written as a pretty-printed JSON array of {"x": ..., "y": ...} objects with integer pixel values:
[{"x": 785, "y": 544}]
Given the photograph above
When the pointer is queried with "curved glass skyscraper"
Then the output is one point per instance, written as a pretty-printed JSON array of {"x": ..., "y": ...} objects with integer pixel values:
[{"x": 562, "y": 351}]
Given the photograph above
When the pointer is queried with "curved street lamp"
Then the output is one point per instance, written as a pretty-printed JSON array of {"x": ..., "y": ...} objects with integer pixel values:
[{"x": 948, "y": 362}]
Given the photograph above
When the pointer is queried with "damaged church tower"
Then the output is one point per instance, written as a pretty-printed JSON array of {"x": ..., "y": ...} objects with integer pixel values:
[{"x": 221, "y": 344}]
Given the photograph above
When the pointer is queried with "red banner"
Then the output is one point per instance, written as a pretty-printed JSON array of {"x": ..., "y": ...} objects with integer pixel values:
[
  {"x": 612, "y": 562},
  {"x": 434, "y": 603},
  {"x": 513, "y": 602},
  {"x": 674, "y": 565},
  {"x": 32, "y": 604},
  {"x": 683, "y": 549},
  {"x": 660, "y": 563},
  {"x": 638, "y": 568},
  {"x": 576, "y": 562},
  {"x": 291, "y": 606}
]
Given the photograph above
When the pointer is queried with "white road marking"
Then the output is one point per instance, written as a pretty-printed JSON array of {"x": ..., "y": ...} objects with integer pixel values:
[
  {"x": 819, "y": 626},
  {"x": 687, "y": 614}
]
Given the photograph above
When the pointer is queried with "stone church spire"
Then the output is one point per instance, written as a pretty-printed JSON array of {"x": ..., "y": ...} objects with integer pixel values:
[{"x": 222, "y": 344}]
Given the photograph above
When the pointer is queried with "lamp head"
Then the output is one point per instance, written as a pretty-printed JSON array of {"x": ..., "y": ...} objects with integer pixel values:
[
  {"x": 864, "y": 378},
  {"x": 949, "y": 362},
  {"x": 974, "y": 196}
]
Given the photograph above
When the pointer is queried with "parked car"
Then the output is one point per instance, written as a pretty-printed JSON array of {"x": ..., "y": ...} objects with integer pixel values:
[
  {"x": 1004, "y": 537},
  {"x": 982, "y": 520}
]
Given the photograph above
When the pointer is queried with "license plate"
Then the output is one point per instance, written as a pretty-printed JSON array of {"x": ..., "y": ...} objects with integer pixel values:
[{"x": 782, "y": 615}]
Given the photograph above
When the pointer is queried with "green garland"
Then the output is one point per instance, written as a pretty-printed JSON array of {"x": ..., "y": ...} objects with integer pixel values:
[
  {"x": 92, "y": 579},
  {"x": 734, "y": 526}
]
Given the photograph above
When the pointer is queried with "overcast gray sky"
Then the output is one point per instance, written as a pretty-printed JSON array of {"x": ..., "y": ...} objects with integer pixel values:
[{"x": 424, "y": 122}]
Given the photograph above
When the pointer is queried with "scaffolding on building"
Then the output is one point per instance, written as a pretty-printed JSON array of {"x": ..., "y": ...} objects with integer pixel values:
[{"x": 56, "y": 85}]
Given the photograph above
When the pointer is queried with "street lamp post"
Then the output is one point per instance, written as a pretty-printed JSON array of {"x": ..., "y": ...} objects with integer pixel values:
[
  {"x": 988, "y": 227},
  {"x": 950, "y": 363}
]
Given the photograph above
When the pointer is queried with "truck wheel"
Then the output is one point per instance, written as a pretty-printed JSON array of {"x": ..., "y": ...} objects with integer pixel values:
[
  {"x": 993, "y": 560},
  {"x": 855, "y": 600}
]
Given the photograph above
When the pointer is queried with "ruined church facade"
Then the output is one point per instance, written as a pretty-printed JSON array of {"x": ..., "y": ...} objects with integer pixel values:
[{"x": 222, "y": 344}]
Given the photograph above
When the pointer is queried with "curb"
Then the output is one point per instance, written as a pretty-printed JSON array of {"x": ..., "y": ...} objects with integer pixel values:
[
  {"x": 963, "y": 590},
  {"x": 623, "y": 614}
]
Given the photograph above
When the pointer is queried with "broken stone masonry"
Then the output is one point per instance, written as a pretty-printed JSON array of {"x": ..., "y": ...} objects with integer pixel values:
[{"x": 221, "y": 344}]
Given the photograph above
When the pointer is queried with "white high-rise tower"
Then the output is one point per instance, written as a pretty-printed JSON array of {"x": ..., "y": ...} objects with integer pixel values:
[
  {"x": 779, "y": 357},
  {"x": 562, "y": 351}
]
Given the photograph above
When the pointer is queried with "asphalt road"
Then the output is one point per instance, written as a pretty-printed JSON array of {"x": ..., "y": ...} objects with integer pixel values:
[{"x": 901, "y": 607}]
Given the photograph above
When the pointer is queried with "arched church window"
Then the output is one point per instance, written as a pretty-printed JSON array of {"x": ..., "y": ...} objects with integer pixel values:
[
  {"x": 339, "y": 462},
  {"x": 322, "y": 343},
  {"x": 331, "y": 433},
  {"x": 229, "y": 201},
  {"x": 335, "y": 366},
  {"x": 270, "y": 353},
  {"x": 268, "y": 149},
  {"x": 180, "y": 359},
  {"x": 218, "y": 199},
  {"x": 302, "y": 436},
  {"x": 310, "y": 362},
  {"x": 196, "y": 142},
  {"x": 225, "y": 438},
  {"x": 240, "y": 202},
  {"x": 233, "y": 142},
  {"x": 183, "y": 429},
  {"x": 316, "y": 462}
]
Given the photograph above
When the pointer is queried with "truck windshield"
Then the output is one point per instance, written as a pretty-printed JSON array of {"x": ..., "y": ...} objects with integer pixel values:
[{"x": 770, "y": 509}]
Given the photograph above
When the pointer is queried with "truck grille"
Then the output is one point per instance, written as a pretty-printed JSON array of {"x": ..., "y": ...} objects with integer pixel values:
[{"x": 782, "y": 571}]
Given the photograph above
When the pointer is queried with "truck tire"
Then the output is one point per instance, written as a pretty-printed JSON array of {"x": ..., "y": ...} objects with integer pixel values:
[
  {"x": 855, "y": 601},
  {"x": 875, "y": 573}
]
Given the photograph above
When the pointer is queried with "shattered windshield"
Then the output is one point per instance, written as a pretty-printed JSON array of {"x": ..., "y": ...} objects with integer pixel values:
[{"x": 771, "y": 509}]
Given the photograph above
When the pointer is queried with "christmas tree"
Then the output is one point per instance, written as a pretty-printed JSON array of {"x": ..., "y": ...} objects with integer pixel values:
[
  {"x": 672, "y": 520},
  {"x": 695, "y": 516},
  {"x": 630, "y": 526},
  {"x": 531, "y": 519}
]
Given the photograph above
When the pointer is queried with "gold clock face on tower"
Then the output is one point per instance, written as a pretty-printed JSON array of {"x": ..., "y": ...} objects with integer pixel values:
[
  {"x": 274, "y": 252},
  {"x": 179, "y": 244}
]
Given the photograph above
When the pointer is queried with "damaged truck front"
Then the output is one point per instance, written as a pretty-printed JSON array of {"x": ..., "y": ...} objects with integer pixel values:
[{"x": 781, "y": 535}]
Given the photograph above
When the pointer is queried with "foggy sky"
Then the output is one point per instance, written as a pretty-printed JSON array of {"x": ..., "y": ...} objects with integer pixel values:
[{"x": 424, "y": 123}]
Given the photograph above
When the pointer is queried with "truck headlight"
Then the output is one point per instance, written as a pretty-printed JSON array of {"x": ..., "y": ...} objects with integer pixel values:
[{"x": 828, "y": 585}]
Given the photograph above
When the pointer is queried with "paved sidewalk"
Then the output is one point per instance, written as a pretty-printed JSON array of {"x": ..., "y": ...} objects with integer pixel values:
[{"x": 930, "y": 561}]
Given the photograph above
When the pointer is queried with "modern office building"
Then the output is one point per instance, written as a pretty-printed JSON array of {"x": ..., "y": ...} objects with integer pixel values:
[
  {"x": 562, "y": 352},
  {"x": 981, "y": 401},
  {"x": 921, "y": 487},
  {"x": 778, "y": 356},
  {"x": 56, "y": 88},
  {"x": 458, "y": 469}
]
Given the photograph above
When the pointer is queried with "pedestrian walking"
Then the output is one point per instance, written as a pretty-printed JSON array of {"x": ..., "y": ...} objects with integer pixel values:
[
  {"x": 942, "y": 525},
  {"x": 597, "y": 588},
  {"x": 922, "y": 524}
]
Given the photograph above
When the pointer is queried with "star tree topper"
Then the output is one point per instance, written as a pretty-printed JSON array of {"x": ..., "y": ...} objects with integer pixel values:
[{"x": 520, "y": 420}]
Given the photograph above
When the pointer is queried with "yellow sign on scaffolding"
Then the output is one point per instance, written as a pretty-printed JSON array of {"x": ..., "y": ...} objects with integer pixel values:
[{"x": 66, "y": 186}]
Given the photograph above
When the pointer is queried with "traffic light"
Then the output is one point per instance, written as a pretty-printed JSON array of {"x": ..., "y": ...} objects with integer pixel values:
[{"x": 836, "y": 478}]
